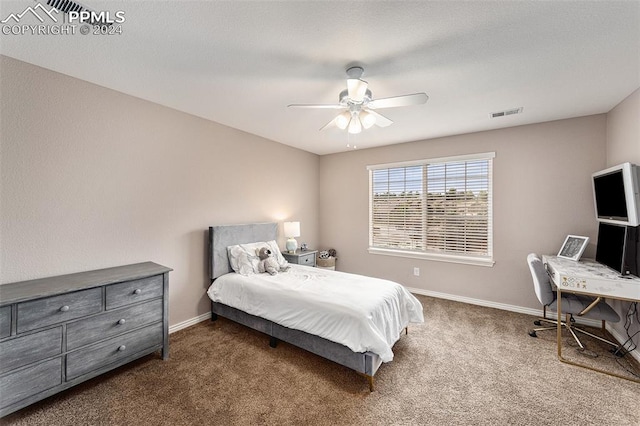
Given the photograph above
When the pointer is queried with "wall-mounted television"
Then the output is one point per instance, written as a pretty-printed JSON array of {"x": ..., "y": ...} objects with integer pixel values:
[
  {"x": 616, "y": 193},
  {"x": 619, "y": 248}
]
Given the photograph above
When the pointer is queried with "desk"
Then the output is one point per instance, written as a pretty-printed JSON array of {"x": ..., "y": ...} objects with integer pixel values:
[{"x": 590, "y": 278}]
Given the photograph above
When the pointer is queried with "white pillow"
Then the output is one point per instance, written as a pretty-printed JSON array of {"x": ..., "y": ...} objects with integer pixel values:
[
  {"x": 244, "y": 258},
  {"x": 241, "y": 261},
  {"x": 252, "y": 254}
]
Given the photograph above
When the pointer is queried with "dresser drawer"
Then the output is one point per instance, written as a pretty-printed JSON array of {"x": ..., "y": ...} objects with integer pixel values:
[
  {"x": 24, "y": 350},
  {"x": 307, "y": 259},
  {"x": 113, "y": 350},
  {"x": 5, "y": 321},
  {"x": 99, "y": 327},
  {"x": 56, "y": 309},
  {"x": 134, "y": 291},
  {"x": 22, "y": 384}
]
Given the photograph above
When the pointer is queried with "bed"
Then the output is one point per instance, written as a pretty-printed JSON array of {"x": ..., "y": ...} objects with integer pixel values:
[{"x": 290, "y": 307}]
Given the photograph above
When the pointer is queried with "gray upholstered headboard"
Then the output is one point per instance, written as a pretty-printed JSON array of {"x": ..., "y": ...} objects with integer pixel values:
[{"x": 220, "y": 237}]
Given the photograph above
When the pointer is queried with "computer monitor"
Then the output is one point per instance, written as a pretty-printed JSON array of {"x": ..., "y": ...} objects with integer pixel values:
[
  {"x": 617, "y": 248},
  {"x": 616, "y": 193}
]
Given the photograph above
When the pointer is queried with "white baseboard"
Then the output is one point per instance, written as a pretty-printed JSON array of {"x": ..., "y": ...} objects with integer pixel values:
[
  {"x": 189, "y": 322},
  {"x": 479, "y": 302},
  {"x": 519, "y": 309}
]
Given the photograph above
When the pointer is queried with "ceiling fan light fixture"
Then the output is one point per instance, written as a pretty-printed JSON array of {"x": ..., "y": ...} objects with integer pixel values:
[
  {"x": 359, "y": 109},
  {"x": 367, "y": 119},
  {"x": 342, "y": 120},
  {"x": 355, "y": 126}
]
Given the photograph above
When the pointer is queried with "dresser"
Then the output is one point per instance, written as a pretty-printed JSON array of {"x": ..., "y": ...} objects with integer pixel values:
[
  {"x": 60, "y": 331},
  {"x": 306, "y": 257}
]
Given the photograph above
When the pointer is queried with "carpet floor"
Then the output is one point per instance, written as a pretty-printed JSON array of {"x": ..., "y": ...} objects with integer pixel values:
[{"x": 466, "y": 365}]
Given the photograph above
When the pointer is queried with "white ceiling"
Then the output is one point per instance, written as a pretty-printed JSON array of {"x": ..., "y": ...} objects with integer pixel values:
[{"x": 240, "y": 63}]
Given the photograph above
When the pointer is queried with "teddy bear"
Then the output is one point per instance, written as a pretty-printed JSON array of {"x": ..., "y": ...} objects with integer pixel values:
[{"x": 268, "y": 263}]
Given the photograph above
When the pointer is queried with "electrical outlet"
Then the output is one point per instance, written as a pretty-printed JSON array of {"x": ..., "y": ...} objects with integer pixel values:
[{"x": 416, "y": 272}]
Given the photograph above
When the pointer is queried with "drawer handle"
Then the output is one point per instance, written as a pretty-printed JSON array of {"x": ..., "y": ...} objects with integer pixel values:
[
  {"x": 65, "y": 308},
  {"x": 137, "y": 291},
  {"x": 122, "y": 321},
  {"x": 121, "y": 348}
]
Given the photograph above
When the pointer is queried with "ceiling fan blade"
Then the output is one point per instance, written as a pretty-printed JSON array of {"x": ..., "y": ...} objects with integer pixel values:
[
  {"x": 381, "y": 120},
  {"x": 341, "y": 121},
  {"x": 332, "y": 123},
  {"x": 356, "y": 89},
  {"x": 399, "y": 101},
  {"x": 326, "y": 106}
]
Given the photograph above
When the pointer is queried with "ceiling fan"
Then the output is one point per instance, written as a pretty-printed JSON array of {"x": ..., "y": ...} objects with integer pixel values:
[{"x": 358, "y": 105}]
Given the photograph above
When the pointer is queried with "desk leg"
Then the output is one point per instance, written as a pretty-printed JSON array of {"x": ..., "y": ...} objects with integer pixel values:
[
  {"x": 566, "y": 361},
  {"x": 559, "y": 326}
]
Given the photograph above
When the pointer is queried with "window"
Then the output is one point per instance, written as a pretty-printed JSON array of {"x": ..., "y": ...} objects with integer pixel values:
[{"x": 436, "y": 209}]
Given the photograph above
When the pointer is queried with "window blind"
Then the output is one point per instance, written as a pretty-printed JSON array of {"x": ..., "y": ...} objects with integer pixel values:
[{"x": 439, "y": 206}]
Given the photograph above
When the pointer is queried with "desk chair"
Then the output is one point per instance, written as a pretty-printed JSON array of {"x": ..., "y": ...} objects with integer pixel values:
[{"x": 572, "y": 304}]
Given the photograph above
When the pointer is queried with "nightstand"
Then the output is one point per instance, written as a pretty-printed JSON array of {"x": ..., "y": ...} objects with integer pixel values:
[{"x": 307, "y": 257}]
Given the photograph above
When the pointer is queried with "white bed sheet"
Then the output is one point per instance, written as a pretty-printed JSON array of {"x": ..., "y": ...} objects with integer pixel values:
[{"x": 362, "y": 313}]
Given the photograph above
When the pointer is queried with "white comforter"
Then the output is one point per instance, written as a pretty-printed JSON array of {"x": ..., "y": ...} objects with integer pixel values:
[{"x": 362, "y": 313}]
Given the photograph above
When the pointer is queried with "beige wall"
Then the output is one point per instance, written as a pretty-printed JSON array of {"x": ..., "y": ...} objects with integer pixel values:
[
  {"x": 623, "y": 131},
  {"x": 542, "y": 192},
  {"x": 623, "y": 144},
  {"x": 93, "y": 178}
]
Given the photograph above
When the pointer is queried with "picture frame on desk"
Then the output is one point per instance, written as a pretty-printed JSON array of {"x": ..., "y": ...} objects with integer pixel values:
[{"x": 573, "y": 247}]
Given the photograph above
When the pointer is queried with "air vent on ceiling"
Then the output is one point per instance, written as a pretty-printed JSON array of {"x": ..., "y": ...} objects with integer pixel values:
[
  {"x": 505, "y": 113},
  {"x": 66, "y": 6}
]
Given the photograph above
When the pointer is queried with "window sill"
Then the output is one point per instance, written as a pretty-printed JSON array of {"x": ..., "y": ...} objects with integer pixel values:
[{"x": 467, "y": 260}]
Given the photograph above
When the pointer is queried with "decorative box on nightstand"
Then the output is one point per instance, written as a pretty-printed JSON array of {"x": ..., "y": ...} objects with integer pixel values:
[{"x": 307, "y": 257}]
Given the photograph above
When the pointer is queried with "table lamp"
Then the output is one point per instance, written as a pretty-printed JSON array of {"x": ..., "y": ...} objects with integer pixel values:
[{"x": 291, "y": 230}]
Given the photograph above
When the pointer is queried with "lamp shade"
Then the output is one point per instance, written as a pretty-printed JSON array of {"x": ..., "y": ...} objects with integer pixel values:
[
  {"x": 292, "y": 229},
  {"x": 342, "y": 120},
  {"x": 367, "y": 119},
  {"x": 355, "y": 126}
]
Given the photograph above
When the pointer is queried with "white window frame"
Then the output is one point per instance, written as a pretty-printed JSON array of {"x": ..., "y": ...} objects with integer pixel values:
[{"x": 470, "y": 259}]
